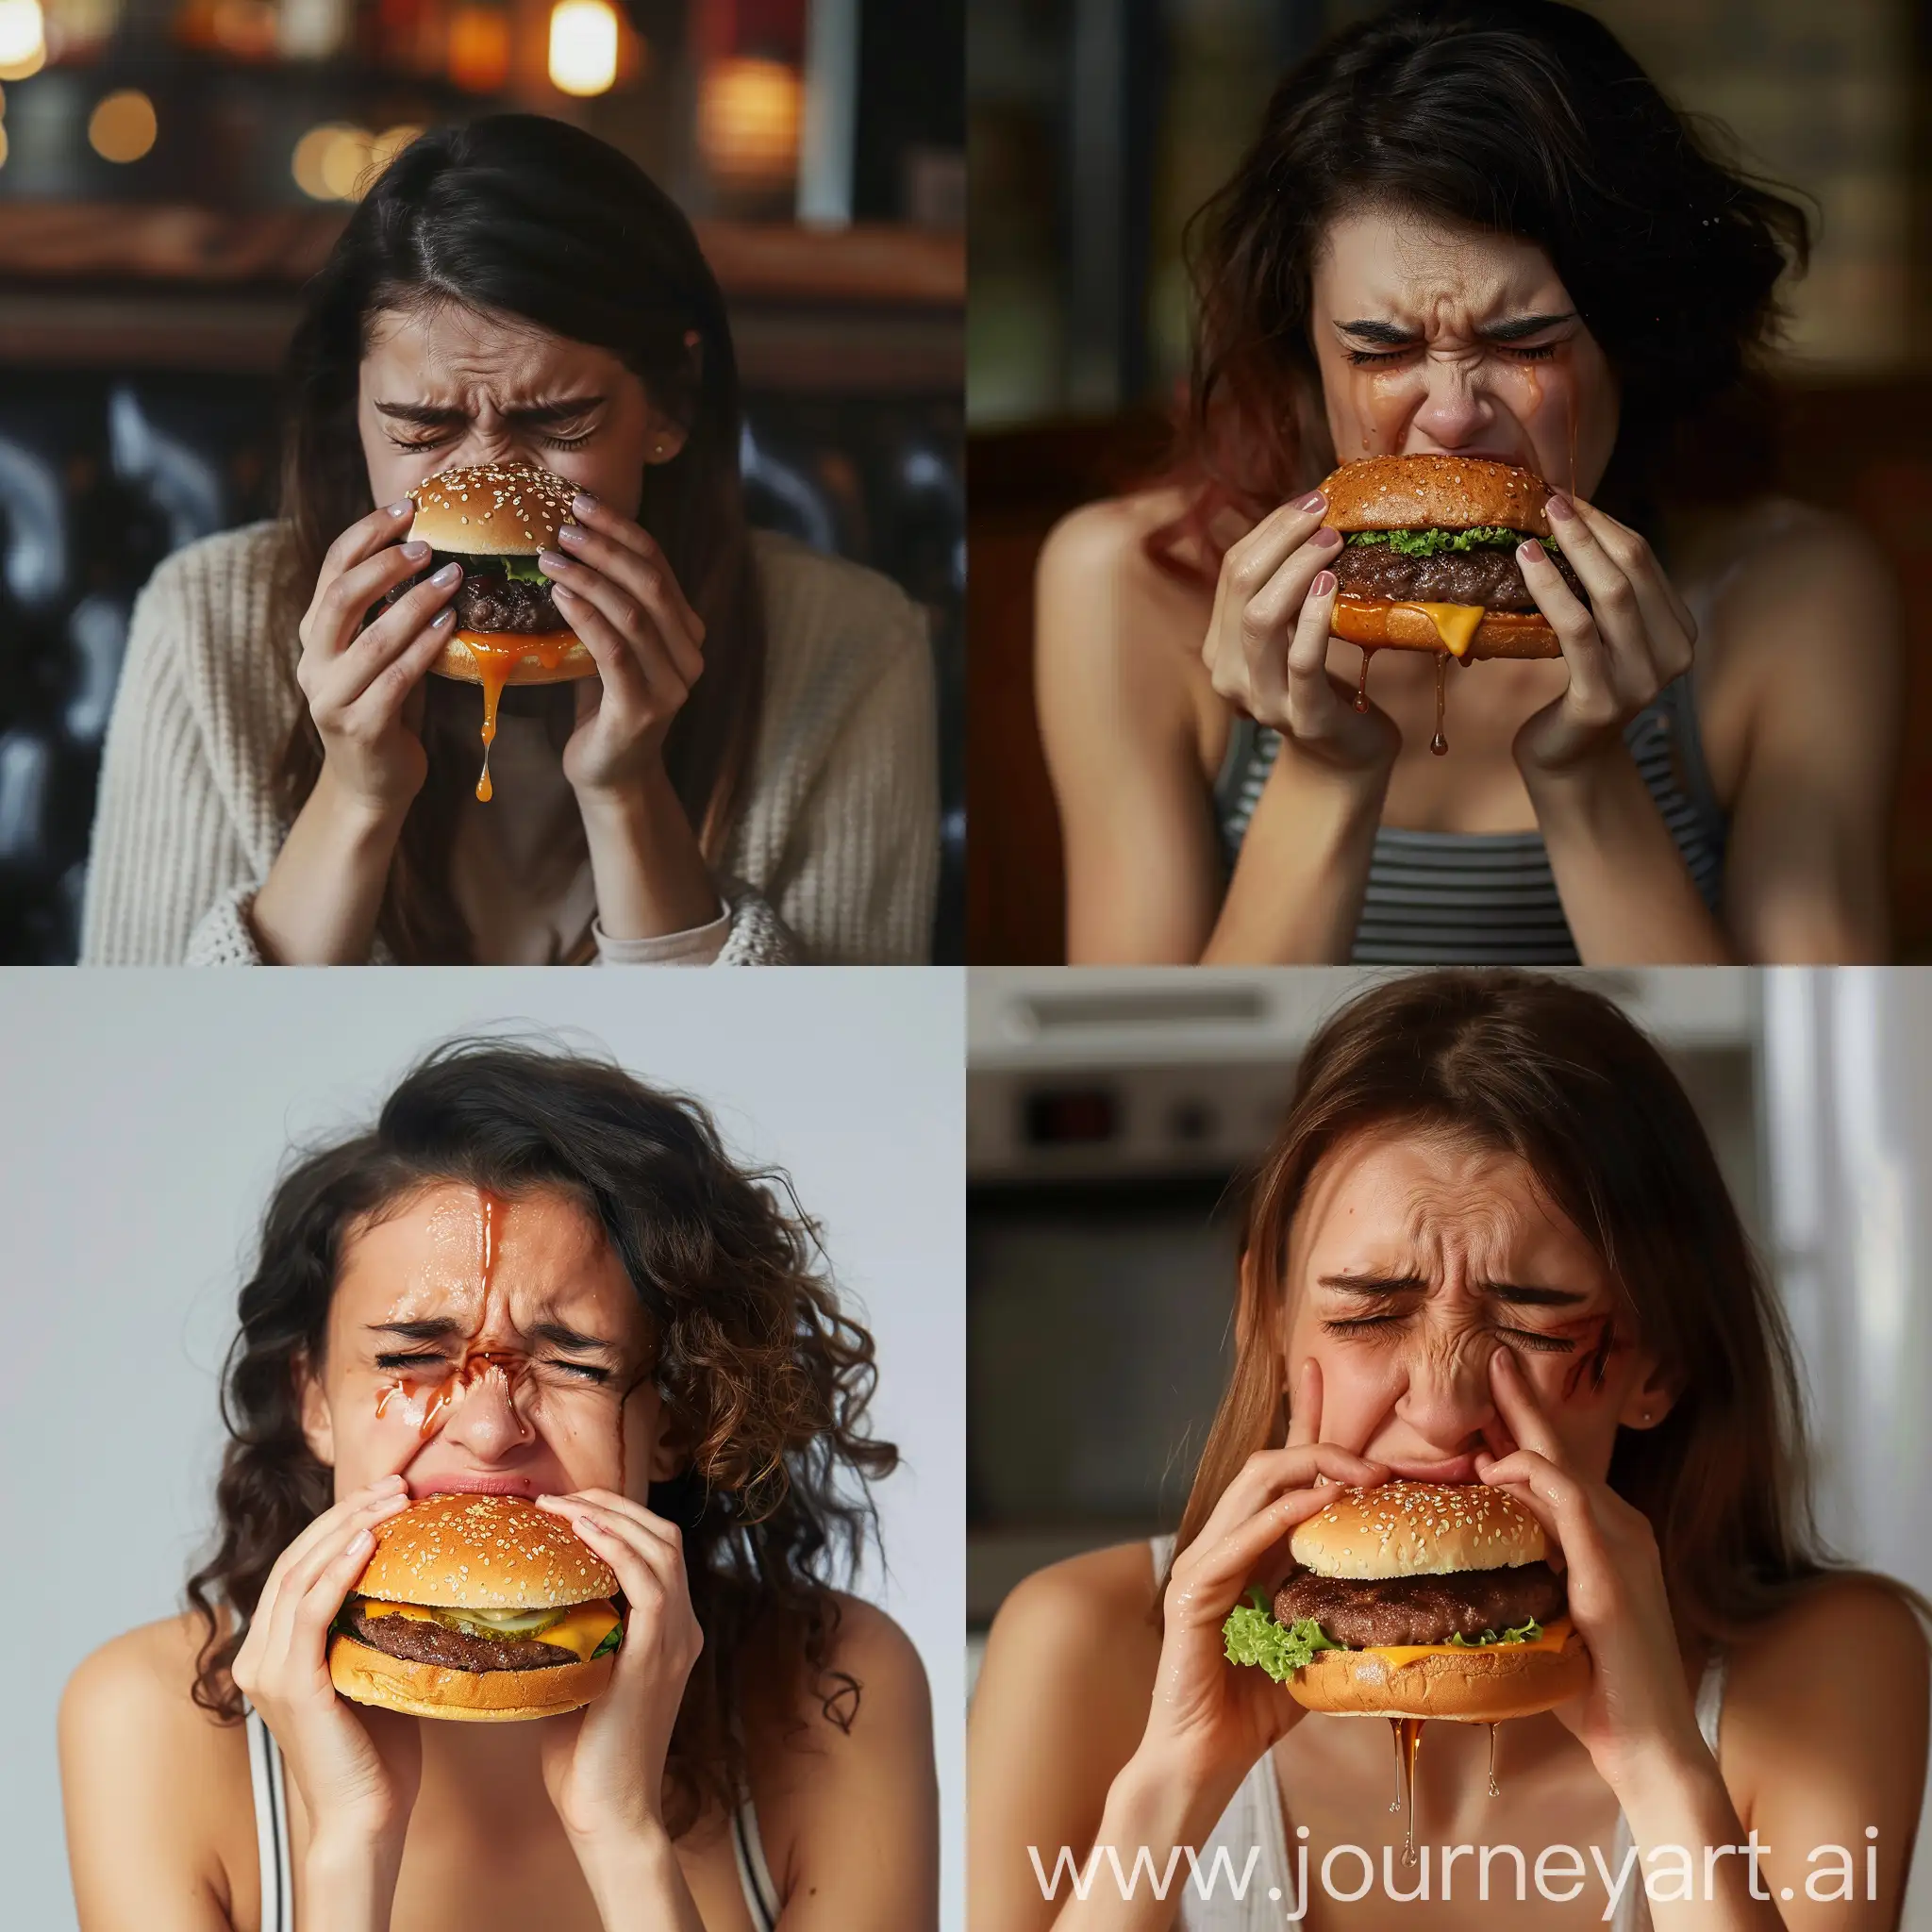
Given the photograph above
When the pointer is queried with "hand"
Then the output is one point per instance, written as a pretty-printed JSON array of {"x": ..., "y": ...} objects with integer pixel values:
[
  {"x": 1210, "y": 1717},
  {"x": 1636, "y": 635},
  {"x": 1267, "y": 643},
  {"x": 362, "y": 681},
  {"x": 356, "y": 1766},
  {"x": 604, "y": 1765},
  {"x": 617, "y": 593},
  {"x": 1638, "y": 1710}
]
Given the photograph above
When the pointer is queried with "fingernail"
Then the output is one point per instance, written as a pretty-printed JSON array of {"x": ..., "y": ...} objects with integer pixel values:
[
  {"x": 445, "y": 616},
  {"x": 583, "y": 503},
  {"x": 360, "y": 1541},
  {"x": 571, "y": 533},
  {"x": 415, "y": 552},
  {"x": 402, "y": 508},
  {"x": 448, "y": 574},
  {"x": 1560, "y": 506},
  {"x": 1326, "y": 538},
  {"x": 1325, "y": 582},
  {"x": 552, "y": 559},
  {"x": 568, "y": 596},
  {"x": 1531, "y": 551},
  {"x": 1312, "y": 503}
]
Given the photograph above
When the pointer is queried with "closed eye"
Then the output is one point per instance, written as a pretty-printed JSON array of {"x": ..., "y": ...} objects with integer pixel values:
[
  {"x": 1539, "y": 352},
  {"x": 1520, "y": 1338}
]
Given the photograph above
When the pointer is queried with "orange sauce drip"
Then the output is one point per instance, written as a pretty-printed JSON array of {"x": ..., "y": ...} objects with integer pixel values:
[
  {"x": 1439, "y": 745},
  {"x": 1361, "y": 688},
  {"x": 1408, "y": 1737},
  {"x": 494, "y": 663}
]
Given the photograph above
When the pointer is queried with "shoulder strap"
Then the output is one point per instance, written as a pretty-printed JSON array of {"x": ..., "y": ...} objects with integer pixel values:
[
  {"x": 753, "y": 1875},
  {"x": 271, "y": 1825}
]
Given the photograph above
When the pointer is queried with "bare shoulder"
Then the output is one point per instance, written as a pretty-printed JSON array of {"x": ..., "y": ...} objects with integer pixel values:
[
  {"x": 870, "y": 1696},
  {"x": 1106, "y": 1589},
  {"x": 1099, "y": 552},
  {"x": 152, "y": 1784},
  {"x": 876, "y": 1652},
  {"x": 1851, "y": 1616}
]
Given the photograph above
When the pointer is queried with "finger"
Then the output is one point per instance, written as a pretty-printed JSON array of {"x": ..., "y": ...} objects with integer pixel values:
[
  {"x": 1308, "y": 652},
  {"x": 324, "y": 1575},
  {"x": 352, "y": 1510},
  {"x": 396, "y": 690},
  {"x": 1634, "y": 556},
  {"x": 1304, "y": 1407},
  {"x": 646, "y": 1566},
  {"x": 633, "y": 602},
  {"x": 1516, "y": 1401},
  {"x": 1613, "y": 602},
  {"x": 637, "y": 559},
  {"x": 638, "y": 672},
  {"x": 1222, "y": 1569},
  {"x": 341, "y": 605},
  {"x": 1269, "y": 1472},
  {"x": 382, "y": 642},
  {"x": 1248, "y": 564},
  {"x": 635, "y": 1513},
  {"x": 1555, "y": 1497},
  {"x": 1592, "y": 682},
  {"x": 381, "y": 527}
]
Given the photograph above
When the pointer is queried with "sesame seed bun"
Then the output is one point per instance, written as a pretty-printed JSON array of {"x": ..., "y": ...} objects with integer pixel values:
[
  {"x": 1418, "y": 1529},
  {"x": 494, "y": 510},
  {"x": 482, "y": 1552},
  {"x": 1434, "y": 493}
]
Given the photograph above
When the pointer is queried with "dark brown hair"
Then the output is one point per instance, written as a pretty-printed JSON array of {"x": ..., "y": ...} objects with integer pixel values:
[
  {"x": 762, "y": 1373},
  {"x": 1518, "y": 117},
  {"x": 1555, "y": 1074},
  {"x": 526, "y": 217}
]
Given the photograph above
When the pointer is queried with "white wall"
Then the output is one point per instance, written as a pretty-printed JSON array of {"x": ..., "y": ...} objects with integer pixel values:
[{"x": 142, "y": 1118}]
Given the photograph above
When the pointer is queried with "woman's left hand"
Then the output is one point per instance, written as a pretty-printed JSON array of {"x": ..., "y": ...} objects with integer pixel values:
[
  {"x": 1633, "y": 638},
  {"x": 1637, "y": 1715},
  {"x": 615, "y": 590},
  {"x": 604, "y": 1765}
]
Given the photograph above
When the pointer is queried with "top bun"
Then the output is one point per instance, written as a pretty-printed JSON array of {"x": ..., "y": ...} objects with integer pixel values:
[
  {"x": 482, "y": 1552},
  {"x": 496, "y": 509},
  {"x": 1434, "y": 493},
  {"x": 1418, "y": 1529}
]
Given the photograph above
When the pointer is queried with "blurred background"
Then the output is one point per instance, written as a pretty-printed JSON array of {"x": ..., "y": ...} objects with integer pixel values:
[
  {"x": 172, "y": 171},
  {"x": 1096, "y": 128},
  {"x": 1112, "y": 1117}
]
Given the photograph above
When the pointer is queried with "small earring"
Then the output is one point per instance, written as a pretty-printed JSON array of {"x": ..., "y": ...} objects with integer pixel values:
[
  {"x": 657, "y": 447},
  {"x": 1646, "y": 1415}
]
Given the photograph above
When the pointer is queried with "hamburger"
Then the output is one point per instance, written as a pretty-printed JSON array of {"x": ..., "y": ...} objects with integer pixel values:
[
  {"x": 1429, "y": 557},
  {"x": 494, "y": 520},
  {"x": 1417, "y": 1600},
  {"x": 480, "y": 1608}
]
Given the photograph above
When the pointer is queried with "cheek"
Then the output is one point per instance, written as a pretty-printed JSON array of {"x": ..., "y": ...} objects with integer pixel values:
[{"x": 1368, "y": 407}]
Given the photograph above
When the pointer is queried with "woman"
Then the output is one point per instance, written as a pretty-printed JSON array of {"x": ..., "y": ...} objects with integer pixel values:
[
  {"x": 688, "y": 1398},
  {"x": 1489, "y": 1244},
  {"x": 1474, "y": 229},
  {"x": 751, "y": 776}
]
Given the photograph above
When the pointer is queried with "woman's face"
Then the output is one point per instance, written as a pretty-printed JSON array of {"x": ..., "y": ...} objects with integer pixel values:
[
  {"x": 443, "y": 386},
  {"x": 1455, "y": 341},
  {"x": 478, "y": 1342},
  {"x": 1413, "y": 1260}
]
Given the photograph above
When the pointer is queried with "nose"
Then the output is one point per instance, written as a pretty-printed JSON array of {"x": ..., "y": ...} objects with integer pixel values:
[
  {"x": 1448, "y": 1403},
  {"x": 485, "y": 1421},
  {"x": 1456, "y": 410}
]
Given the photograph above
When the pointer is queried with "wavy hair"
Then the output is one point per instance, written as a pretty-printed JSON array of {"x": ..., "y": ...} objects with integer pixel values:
[
  {"x": 762, "y": 1376},
  {"x": 525, "y": 216},
  {"x": 1555, "y": 1074},
  {"x": 1518, "y": 117}
]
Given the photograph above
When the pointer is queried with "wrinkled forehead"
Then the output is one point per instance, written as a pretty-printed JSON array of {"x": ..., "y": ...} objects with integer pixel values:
[
  {"x": 435, "y": 342},
  {"x": 1395, "y": 1196},
  {"x": 1392, "y": 264},
  {"x": 450, "y": 1250}
]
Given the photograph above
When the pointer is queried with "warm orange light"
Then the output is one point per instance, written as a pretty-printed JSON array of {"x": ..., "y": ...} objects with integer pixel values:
[
  {"x": 583, "y": 46},
  {"x": 748, "y": 122},
  {"x": 2, "y": 148},
  {"x": 479, "y": 48},
  {"x": 333, "y": 162},
  {"x": 247, "y": 28},
  {"x": 122, "y": 126},
  {"x": 23, "y": 39}
]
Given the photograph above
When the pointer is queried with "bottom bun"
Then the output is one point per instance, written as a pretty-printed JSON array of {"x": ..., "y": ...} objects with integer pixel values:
[
  {"x": 551, "y": 657},
  {"x": 1383, "y": 625},
  {"x": 1481, "y": 1687},
  {"x": 486, "y": 1697}
]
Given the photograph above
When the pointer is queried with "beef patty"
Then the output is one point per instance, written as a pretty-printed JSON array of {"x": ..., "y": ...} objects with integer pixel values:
[
  {"x": 1423, "y": 1610},
  {"x": 487, "y": 600},
  {"x": 455, "y": 1650},
  {"x": 1486, "y": 575}
]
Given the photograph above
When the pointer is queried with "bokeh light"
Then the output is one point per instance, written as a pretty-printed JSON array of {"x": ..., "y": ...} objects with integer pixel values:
[
  {"x": 23, "y": 39},
  {"x": 479, "y": 48},
  {"x": 748, "y": 122},
  {"x": 122, "y": 126},
  {"x": 583, "y": 46},
  {"x": 332, "y": 162}
]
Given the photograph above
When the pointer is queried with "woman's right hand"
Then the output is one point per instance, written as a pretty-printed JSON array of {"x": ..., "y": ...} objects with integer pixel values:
[
  {"x": 1267, "y": 643},
  {"x": 1210, "y": 1719},
  {"x": 359, "y": 678},
  {"x": 355, "y": 1767}
]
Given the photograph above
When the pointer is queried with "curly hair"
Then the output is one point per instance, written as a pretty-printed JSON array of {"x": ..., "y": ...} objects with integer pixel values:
[
  {"x": 1517, "y": 117},
  {"x": 762, "y": 1375}
]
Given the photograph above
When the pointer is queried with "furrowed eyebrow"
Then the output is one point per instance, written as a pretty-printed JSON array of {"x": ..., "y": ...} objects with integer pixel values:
[
  {"x": 1374, "y": 1284},
  {"x": 557, "y": 1334},
  {"x": 436, "y": 415},
  {"x": 434, "y": 1328},
  {"x": 1517, "y": 1293},
  {"x": 1519, "y": 326},
  {"x": 1392, "y": 335}
]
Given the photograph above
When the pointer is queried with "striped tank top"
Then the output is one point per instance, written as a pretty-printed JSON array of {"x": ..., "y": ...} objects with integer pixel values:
[
  {"x": 267, "y": 1780},
  {"x": 1490, "y": 898}
]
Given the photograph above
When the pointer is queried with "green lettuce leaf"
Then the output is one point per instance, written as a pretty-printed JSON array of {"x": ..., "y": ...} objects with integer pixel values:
[
  {"x": 1252, "y": 1636},
  {"x": 609, "y": 1643},
  {"x": 525, "y": 569},
  {"x": 1432, "y": 542},
  {"x": 1523, "y": 1633}
]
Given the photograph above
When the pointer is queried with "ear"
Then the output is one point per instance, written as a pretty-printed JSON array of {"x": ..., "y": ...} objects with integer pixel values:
[
  {"x": 664, "y": 440},
  {"x": 1650, "y": 1398},
  {"x": 317, "y": 1425}
]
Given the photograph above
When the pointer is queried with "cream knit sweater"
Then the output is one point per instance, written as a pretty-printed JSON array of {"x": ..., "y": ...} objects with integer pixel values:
[{"x": 839, "y": 836}]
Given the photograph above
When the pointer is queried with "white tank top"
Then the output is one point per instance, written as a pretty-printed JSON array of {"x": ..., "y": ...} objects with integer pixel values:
[
  {"x": 1254, "y": 1819},
  {"x": 272, "y": 1841}
]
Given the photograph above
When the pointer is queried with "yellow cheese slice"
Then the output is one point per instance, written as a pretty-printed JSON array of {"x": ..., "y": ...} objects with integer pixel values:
[
  {"x": 1455, "y": 624},
  {"x": 1556, "y": 1633},
  {"x": 582, "y": 1628}
]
